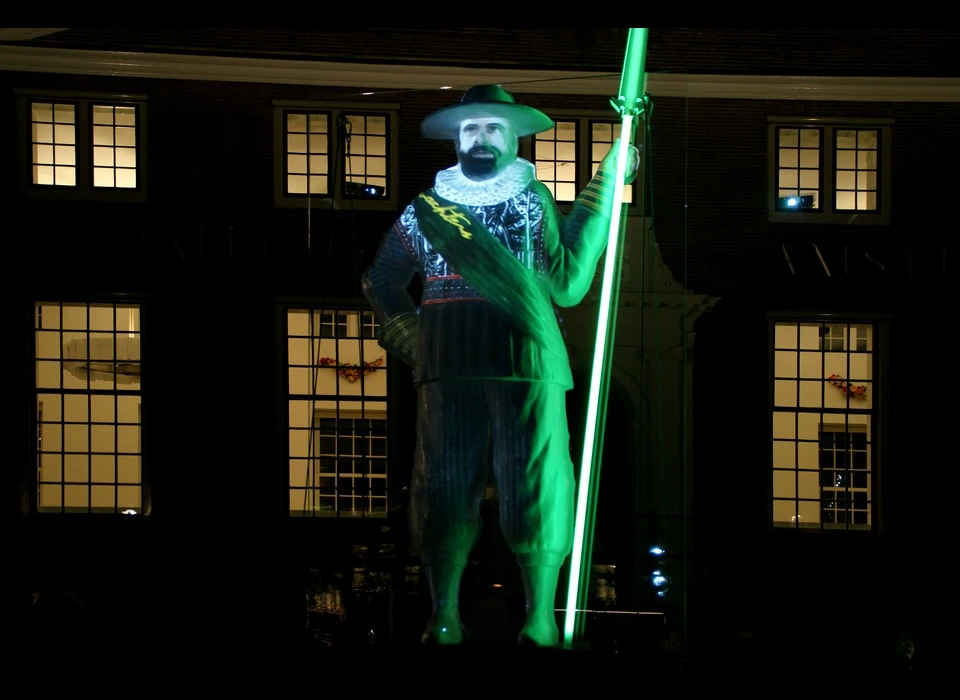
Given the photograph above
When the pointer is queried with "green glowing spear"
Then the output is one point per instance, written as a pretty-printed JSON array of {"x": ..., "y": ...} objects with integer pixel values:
[{"x": 628, "y": 104}]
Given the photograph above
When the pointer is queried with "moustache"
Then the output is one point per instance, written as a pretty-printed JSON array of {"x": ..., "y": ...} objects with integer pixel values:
[{"x": 487, "y": 150}]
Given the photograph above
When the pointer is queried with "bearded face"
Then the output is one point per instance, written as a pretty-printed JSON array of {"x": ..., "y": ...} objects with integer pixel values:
[{"x": 486, "y": 146}]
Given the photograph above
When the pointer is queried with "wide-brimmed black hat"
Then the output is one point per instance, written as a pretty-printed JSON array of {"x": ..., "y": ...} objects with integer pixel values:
[{"x": 484, "y": 101}]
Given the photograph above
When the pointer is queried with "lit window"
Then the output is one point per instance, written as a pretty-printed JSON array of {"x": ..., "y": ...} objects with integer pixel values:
[
  {"x": 337, "y": 414},
  {"x": 87, "y": 358},
  {"x": 824, "y": 425},
  {"x": 114, "y": 146},
  {"x": 365, "y": 148},
  {"x": 83, "y": 148},
  {"x": 336, "y": 153},
  {"x": 569, "y": 154},
  {"x": 857, "y": 164},
  {"x": 53, "y": 129},
  {"x": 307, "y": 153},
  {"x": 555, "y": 153},
  {"x": 798, "y": 164},
  {"x": 832, "y": 171}
]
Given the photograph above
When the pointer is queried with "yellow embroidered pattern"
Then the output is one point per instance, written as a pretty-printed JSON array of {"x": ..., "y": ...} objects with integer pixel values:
[{"x": 450, "y": 214}]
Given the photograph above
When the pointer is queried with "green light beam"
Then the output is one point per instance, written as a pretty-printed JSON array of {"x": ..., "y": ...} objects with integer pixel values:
[{"x": 629, "y": 98}]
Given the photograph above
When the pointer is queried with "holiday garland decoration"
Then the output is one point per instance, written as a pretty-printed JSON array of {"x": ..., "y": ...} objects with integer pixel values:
[
  {"x": 857, "y": 392},
  {"x": 351, "y": 372}
]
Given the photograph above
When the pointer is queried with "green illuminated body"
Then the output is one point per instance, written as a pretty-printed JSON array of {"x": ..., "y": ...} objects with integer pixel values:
[{"x": 496, "y": 258}]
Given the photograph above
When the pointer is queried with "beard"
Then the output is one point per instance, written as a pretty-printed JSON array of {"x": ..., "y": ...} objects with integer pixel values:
[{"x": 481, "y": 163}]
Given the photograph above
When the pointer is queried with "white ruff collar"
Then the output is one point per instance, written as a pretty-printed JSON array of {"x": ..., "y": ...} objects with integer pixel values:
[{"x": 454, "y": 185}]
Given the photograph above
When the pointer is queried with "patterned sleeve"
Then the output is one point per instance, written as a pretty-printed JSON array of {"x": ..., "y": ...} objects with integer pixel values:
[{"x": 397, "y": 260}]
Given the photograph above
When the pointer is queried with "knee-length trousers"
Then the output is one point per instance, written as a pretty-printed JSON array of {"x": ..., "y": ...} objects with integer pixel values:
[{"x": 522, "y": 426}]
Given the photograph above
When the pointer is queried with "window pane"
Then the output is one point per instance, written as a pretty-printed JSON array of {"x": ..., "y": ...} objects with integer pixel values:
[
  {"x": 102, "y": 136},
  {"x": 846, "y": 200},
  {"x": 821, "y": 457},
  {"x": 337, "y": 417},
  {"x": 43, "y": 155},
  {"x": 317, "y": 143},
  {"x": 366, "y": 155},
  {"x": 810, "y": 138},
  {"x": 319, "y": 185},
  {"x": 126, "y": 157},
  {"x": 846, "y": 180},
  {"x": 42, "y": 133},
  {"x": 297, "y": 143},
  {"x": 125, "y": 116},
  {"x": 307, "y": 150},
  {"x": 376, "y": 146},
  {"x": 846, "y": 160},
  {"x": 296, "y": 163},
  {"x": 789, "y": 158},
  {"x": 319, "y": 123},
  {"x": 65, "y": 175},
  {"x": 64, "y": 134},
  {"x": 566, "y": 192},
  {"x": 856, "y": 169},
  {"x": 126, "y": 178},
  {"x": 798, "y": 169},
  {"x": 318, "y": 165},
  {"x": 789, "y": 178},
  {"x": 53, "y": 139},
  {"x": 82, "y": 432},
  {"x": 114, "y": 138},
  {"x": 554, "y": 152},
  {"x": 125, "y": 136},
  {"x": 296, "y": 123},
  {"x": 810, "y": 158},
  {"x": 788, "y": 138},
  {"x": 296, "y": 184},
  {"x": 867, "y": 201},
  {"x": 567, "y": 153},
  {"x": 103, "y": 177},
  {"x": 102, "y": 156}
]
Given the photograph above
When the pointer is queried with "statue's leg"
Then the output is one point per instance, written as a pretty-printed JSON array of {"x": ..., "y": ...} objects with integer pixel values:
[
  {"x": 449, "y": 474},
  {"x": 535, "y": 482}
]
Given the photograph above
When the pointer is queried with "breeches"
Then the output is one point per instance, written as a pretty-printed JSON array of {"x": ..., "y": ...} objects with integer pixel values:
[{"x": 523, "y": 427}]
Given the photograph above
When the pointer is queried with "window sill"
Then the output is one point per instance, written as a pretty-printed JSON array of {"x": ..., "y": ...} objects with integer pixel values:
[
  {"x": 853, "y": 218},
  {"x": 131, "y": 196}
]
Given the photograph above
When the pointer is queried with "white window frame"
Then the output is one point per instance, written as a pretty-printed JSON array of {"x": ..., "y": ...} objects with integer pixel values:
[
  {"x": 336, "y": 197},
  {"x": 584, "y": 163},
  {"x": 828, "y": 214},
  {"x": 84, "y": 188}
]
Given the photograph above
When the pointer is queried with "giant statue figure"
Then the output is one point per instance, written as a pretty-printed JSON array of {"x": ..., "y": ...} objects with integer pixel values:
[{"x": 491, "y": 370}]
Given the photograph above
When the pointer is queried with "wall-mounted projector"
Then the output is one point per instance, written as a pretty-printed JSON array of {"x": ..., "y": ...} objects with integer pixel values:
[
  {"x": 795, "y": 202},
  {"x": 361, "y": 189}
]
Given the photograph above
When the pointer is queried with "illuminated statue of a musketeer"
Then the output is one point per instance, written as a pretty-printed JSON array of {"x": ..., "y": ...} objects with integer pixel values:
[{"x": 496, "y": 258}]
